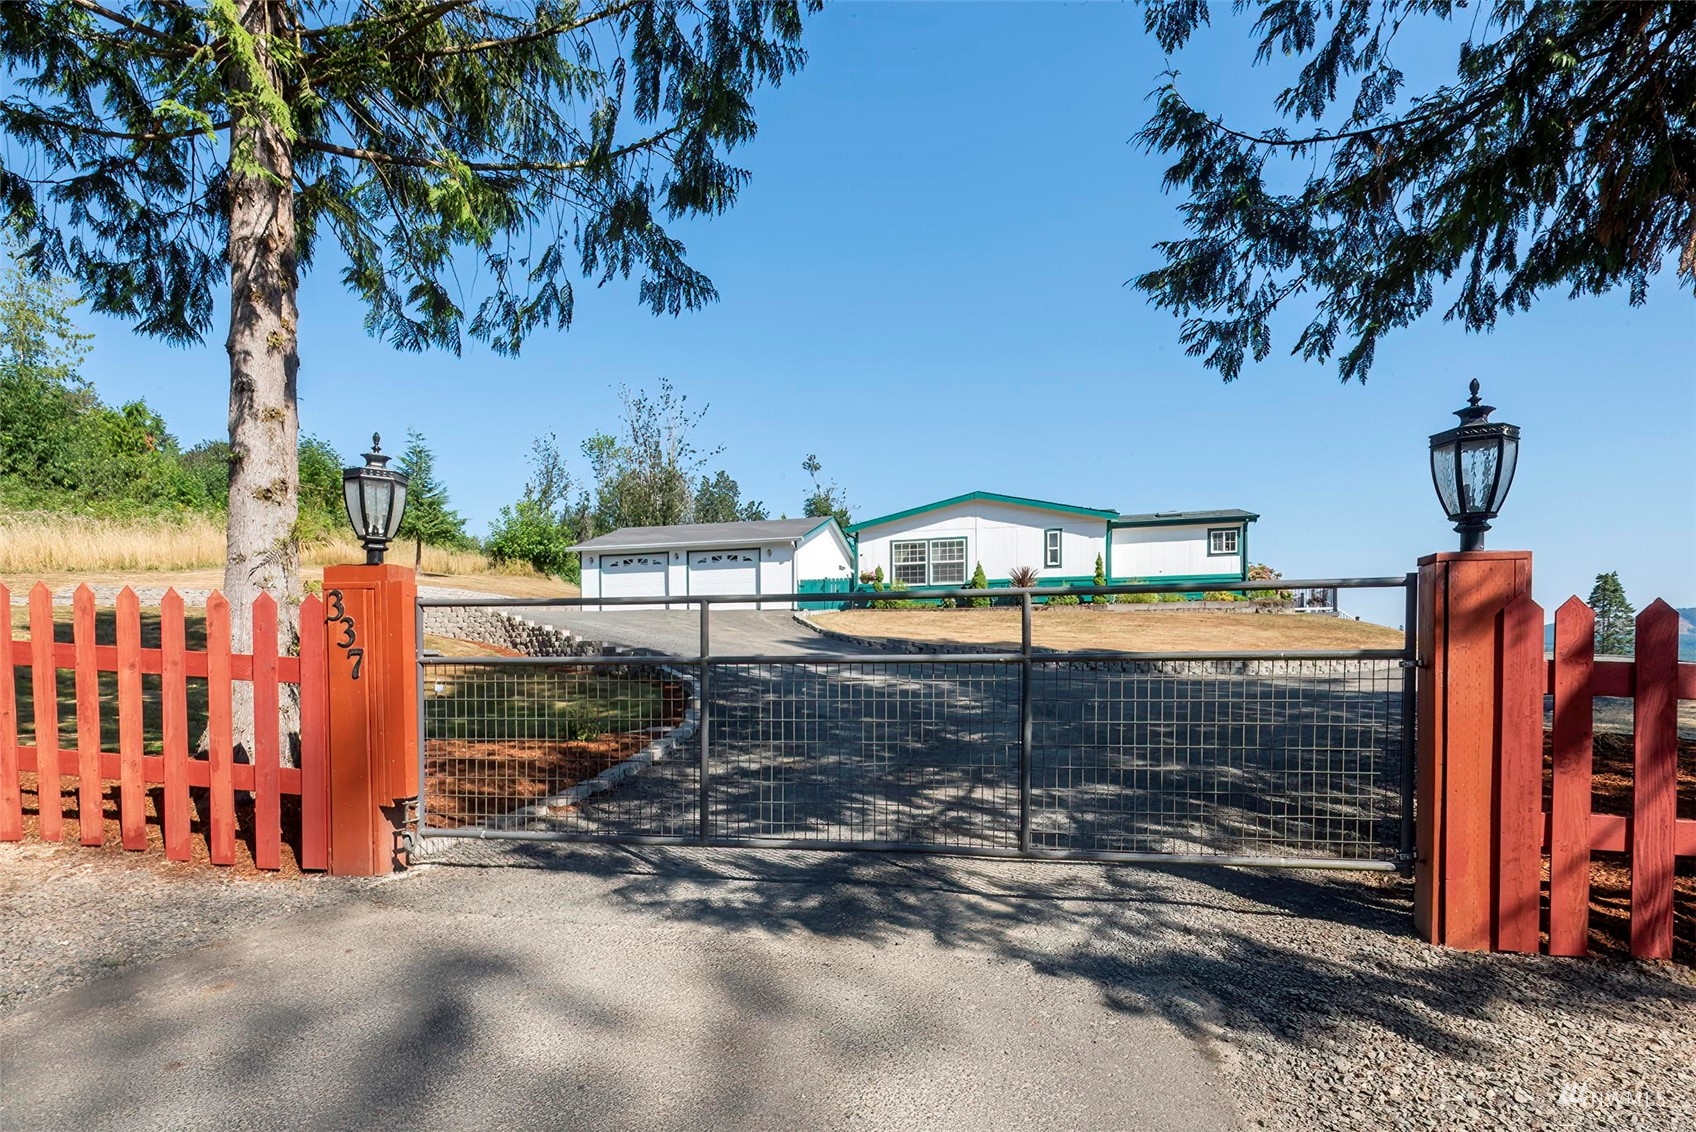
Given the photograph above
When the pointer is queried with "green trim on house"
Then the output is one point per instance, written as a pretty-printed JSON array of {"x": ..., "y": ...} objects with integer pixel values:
[
  {"x": 986, "y": 497},
  {"x": 1172, "y": 580},
  {"x": 1180, "y": 519},
  {"x": 1004, "y": 584},
  {"x": 1240, "y": 531}
]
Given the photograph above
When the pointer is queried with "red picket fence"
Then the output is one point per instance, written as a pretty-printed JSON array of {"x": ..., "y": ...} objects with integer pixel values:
[
  {"x": 1570, "y": 830},
  {"x": 178, "y": 768}
]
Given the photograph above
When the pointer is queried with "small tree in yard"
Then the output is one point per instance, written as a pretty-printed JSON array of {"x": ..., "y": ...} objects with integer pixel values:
[
  {"x": 1100, "y": 579},
  {"x": 428, "y": 518},
  {"x": 1616, "y": 629},
  {"x": 980, "y": 581}
]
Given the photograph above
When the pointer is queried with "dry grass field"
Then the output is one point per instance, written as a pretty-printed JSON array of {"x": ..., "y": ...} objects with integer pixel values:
[
  {"x": 38, "y": 545},
  {"x": 66, "y": 551},
  {"x": 1079, "y": 628}
]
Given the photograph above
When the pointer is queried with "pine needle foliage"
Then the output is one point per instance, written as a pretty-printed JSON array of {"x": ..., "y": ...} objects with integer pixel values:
[
  {"x": 1561, "y": 157},
  {"x": 426, "y": 136}
]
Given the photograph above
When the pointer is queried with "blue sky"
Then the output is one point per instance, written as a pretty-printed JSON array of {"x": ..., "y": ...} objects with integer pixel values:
[{"x": 924, "y": 284}]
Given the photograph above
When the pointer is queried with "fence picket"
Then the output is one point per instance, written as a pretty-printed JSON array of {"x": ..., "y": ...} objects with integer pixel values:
[
  {"x": 11, "y": 790},
  {"x": 173, "y": 689},
  {"x": 1654, "y": 778},
  {"x": 1574, "y": 737},
  {"x": 132, "y": 791},
  {"x": 44, "y": 676},
  {"x": 1519, "y": 782},
  {"x": 314, "y": 710},
  {"x": 221, "y": 837},
  {"x": 91, "y": 789},
  {"x": 267, "y": 809}
]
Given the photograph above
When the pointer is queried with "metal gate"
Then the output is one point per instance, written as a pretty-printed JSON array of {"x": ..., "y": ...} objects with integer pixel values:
[{"x": 1245, "y": 758}]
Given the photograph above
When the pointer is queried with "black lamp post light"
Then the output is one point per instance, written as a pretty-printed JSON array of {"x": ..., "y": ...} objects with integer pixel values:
[
  {"x": 376, "y": 500},
  {"x": 1472, "y": 467}
]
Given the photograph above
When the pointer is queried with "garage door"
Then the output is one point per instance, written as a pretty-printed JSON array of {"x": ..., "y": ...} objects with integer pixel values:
[
  {"x": 632, "y": 575},
  {"x": 724, "y": 571}
]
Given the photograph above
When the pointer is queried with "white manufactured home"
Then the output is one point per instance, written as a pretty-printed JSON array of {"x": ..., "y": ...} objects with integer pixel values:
[
  {"x": 769, "y": 556},
  {"x": 942, "y": 543}
]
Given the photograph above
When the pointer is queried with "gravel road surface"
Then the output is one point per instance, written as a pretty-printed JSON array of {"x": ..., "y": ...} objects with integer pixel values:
[{"x": 688, "y": 989}]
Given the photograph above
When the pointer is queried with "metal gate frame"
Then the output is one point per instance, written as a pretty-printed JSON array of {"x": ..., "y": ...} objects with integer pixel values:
[{"x": 1026, "y": 660}]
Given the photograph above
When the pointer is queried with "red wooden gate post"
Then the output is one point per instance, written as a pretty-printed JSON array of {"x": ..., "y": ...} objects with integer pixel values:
[
  {"x": 373, "y": 713},
  {"x": 1463, "y": 644}
]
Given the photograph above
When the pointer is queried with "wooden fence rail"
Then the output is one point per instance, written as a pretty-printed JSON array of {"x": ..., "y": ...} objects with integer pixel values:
[
  {"x": 178, "y": 769},
  {"x": 1570, "y": 830}
]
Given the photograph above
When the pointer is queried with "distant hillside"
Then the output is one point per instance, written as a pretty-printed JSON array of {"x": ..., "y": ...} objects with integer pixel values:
[{"x": 1686, "y": 634}]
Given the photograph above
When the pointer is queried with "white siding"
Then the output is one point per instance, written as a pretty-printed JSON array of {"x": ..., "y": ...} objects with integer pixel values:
[
  {"x": 1170, "y": 552},
  {"x": 777, "y": 575},
  {"x": 999, "y": 535},
  {"x": 823, "y": 555}
]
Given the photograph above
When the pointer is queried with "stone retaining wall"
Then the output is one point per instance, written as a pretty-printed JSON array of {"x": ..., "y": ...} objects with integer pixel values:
[{"x": 507, "y": 631}]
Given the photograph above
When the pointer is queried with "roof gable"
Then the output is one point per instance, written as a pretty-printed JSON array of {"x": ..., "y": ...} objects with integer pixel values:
[{"x": 985, "y": 497}]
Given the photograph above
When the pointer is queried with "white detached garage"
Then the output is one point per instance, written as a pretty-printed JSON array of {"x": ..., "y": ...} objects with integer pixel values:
[{"x": 768, "y": 556}]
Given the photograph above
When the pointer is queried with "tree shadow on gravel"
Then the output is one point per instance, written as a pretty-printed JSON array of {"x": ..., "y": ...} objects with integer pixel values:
[{"x": 1289, "y": 956}]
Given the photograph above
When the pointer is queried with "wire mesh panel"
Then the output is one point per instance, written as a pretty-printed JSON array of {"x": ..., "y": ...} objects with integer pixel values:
[
  {"x": 1253, "y": 757},
  {"x": 585, "y": 750},
  {"x": 896, "y": 753}
]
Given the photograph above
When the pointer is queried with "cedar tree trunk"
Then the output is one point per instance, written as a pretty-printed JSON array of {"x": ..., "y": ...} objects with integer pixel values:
[{"x": 263, "y": 552}]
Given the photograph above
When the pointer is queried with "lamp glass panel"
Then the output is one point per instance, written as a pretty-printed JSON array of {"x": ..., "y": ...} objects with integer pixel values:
[
  {"x": 355, "y": 509},
  {"x": 397, "y": 507},
  {"x": 1443, "y": 473},
  {"x": 375, "y": 493},
  {"x": 1480, "y": 458},
  {"x": 1510, "y": 459}
]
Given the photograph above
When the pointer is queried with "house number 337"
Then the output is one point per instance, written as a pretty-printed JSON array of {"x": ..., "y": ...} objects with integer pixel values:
[{"x": 338, "y": 615}]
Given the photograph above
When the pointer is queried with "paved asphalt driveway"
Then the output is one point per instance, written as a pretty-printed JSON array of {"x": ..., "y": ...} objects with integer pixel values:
[
  {"x": 735, "y": 631},
  {"x": 1297, "y": 763},
  {"x": 640, "y": 989}
]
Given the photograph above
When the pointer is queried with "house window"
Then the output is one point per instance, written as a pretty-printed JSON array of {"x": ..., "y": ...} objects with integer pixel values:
[
  {"x": 1051, "y": 547},
  {"x": 948, "y": 562},
  {"x": 1222, "y": 541},
  {"x": 937, "y": 562},
  {"x": 909, "y": 562}
]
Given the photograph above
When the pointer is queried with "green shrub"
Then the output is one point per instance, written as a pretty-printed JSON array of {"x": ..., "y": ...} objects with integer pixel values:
[
  {"x": 1221, "y": 595},
  {"x": 1100, "y": 579},
  {"x": 582, "y": 722},
  {"x": 980, "y": 581},
  {"x": 1063, "y": 599},
  {"x": 1139, "y": 599},
  {"x": 1170, "y": 597},
  {"x": 893, "y": 602},
  {"x": 526, "y": 532}
]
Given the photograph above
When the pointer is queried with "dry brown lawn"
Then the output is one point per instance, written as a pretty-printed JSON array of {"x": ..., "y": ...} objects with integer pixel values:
[
  {"x": 495, "y": 584},
  {"x": 1129, "y": 630}
]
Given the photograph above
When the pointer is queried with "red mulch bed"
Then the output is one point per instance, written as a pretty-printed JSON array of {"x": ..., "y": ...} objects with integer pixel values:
[
  {"x": 199, "y": 819},
  {"x": 1610, "y": 873},
  {"x": 467, "y": 782}
]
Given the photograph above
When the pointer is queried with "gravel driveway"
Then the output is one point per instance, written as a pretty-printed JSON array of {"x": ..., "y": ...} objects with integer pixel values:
[{"x": 690, "y": 989}]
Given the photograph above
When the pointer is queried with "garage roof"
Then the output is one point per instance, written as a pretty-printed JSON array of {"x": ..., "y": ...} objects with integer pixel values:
[{"x": 705, "y": 536}]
